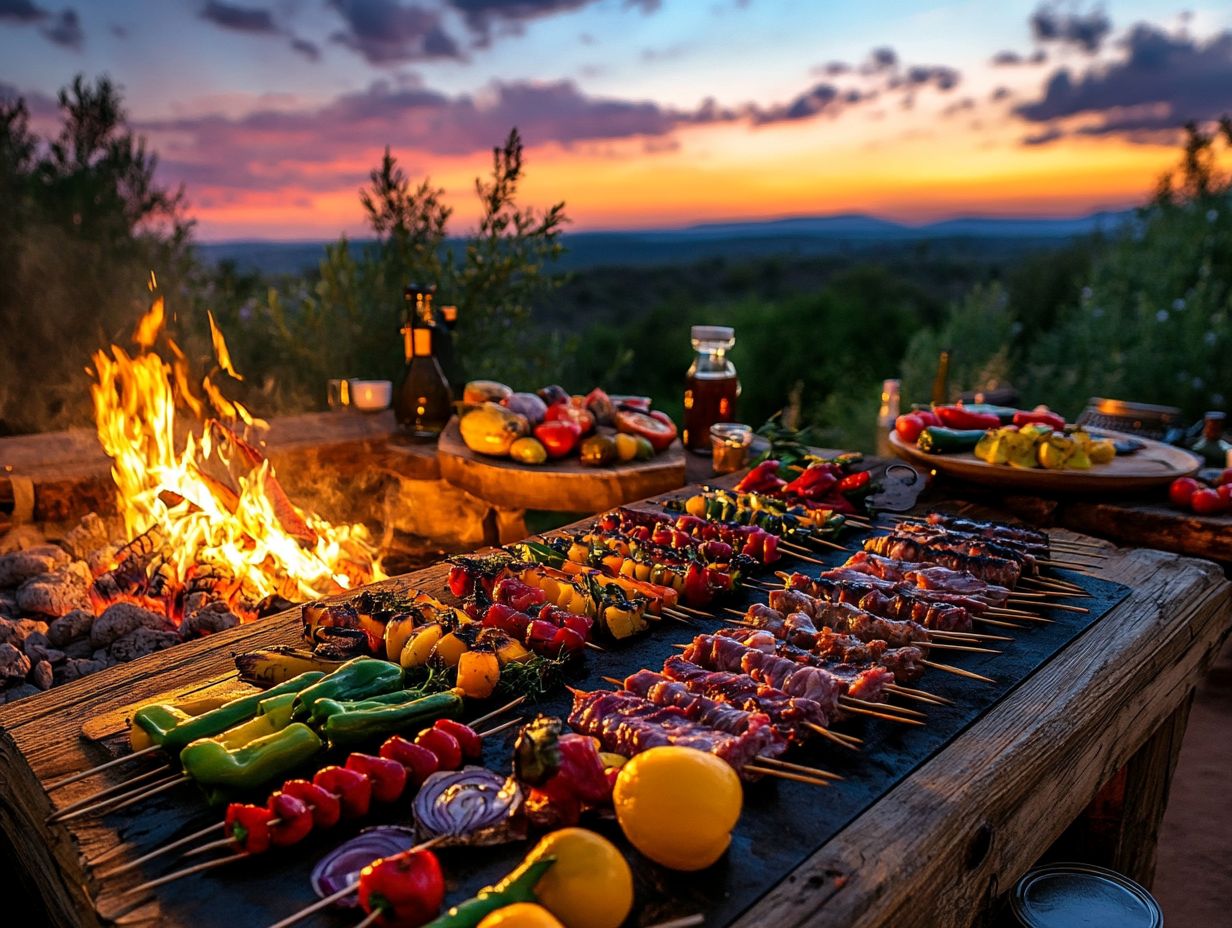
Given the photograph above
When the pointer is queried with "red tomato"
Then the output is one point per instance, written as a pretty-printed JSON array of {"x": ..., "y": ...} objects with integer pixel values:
[
  {"x": 909, "y": 427},
  {"x": 569, "y": 412},
  {"x": 1208, "y": 502},
  {"x": 654, "y": 429},
  {"x": 1225, "y": 478},
  {"x": 559, "y": 437},
  {"x": 927, "y": 416},
  {"x": 1182, "y": 490},
  {"x": 1225, "y": 492}
]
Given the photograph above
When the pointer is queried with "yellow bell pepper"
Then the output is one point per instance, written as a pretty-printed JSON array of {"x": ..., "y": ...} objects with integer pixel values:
[
  {"x": 398, "y": 631},
  {"x": 1101, "y": 451},
  {"x": 1079, "y": 459},
  {"x": 992, "y": 448},
  {"x": 1055, "y": 451},
  {"x": 478, "y": 672},
  {"x": 419, "y": 646}
]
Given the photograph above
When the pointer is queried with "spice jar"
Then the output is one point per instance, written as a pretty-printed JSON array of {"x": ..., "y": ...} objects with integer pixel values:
[{"x": 729, "y": 443}]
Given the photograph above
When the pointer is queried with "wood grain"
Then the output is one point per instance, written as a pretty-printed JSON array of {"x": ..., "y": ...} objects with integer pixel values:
[{"x": 560, "y": 486}]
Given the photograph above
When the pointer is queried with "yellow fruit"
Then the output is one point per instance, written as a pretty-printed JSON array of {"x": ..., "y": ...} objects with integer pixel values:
[
  {"x": 678, "y": 806},
  {"x": 528, "y": 451},
  {"x": 491, "y": 429},
  {"x": 521, "y": 915},
  {"x": 590, "y": 885},
  {"x": 626, "y": 446}
]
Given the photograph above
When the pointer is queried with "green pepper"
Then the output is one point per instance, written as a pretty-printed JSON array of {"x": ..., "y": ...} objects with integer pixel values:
[
  {"x": 356, "y": 679},
  {"x": 518, "y": 886},
  {"x": 938, "y": 440},
  {"x": 1004, "y": 413},
  {"x": 181, "y": 732},
  {"x": 275, "y": 716},
  {"x": 348, "y": 727},
  {"x": 211, "y": 764}
]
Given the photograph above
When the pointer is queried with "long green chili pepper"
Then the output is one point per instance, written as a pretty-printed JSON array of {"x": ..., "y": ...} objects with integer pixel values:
[
  {"x": 342, "y": 729},
  {"x": 518, "y": 886},
  {"x": 212, "y": 765},
  {"x": 360, "y": 678}
]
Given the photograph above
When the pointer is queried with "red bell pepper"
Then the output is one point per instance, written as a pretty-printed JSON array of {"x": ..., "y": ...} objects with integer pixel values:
[
  {"x": 444, "y": 745},
  {"x": 697, "y": 591},
  {"x": 460, "y": 581},
  {"x": 290, "y": 819},
  {"x": 468, "y": 739},
  {"x": 957, "y": 417},
  {"x": 420, "y": 763},
  {"x": 326, "y": 809},
  {"x": 1042, "y": 416},
  {"x": 248, "y": 826},
  {"x": 353, "y": 789},
  {"x": 388, "y": 776},
  {"x": 513, "y": 592},
  {"x": 855, "y": 484},
  {"x": 407, "y": 889},
  {"x": 760, "y": 477},
  {"x": 566, "y": 639},
  {"x": 539, "y": 635},
  {"x": 558, "y": 437},
  {"x": 507, "y": 619}
]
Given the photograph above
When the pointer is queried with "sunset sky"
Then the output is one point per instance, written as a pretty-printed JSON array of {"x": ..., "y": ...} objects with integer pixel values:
[{"x": 640, "y": 113}]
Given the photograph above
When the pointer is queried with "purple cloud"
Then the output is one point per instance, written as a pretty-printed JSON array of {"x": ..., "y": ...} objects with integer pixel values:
[
  {"x": 239, "y": 18},
  {"x": 21, "y": 11},
  {"x": 65, "y": 30},
  {"x": 388, "y": 32},
  {"x": 1086, "y": 31}
]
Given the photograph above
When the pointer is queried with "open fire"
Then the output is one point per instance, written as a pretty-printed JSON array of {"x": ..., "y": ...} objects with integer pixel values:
[{"x": 209, "y": 537}]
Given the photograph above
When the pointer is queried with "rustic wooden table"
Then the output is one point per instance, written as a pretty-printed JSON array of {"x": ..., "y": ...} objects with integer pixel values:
[{"x": 937, "y": 850}]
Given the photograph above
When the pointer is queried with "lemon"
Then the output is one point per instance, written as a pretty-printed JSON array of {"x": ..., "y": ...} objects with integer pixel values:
[
  {"x": 528, "y": 451},
  {"x": 626, "y": 447},
  {"x": 678, "y": 806},
  {"x": 520, "y": 915},
  {"x": 590, "y": 885}
]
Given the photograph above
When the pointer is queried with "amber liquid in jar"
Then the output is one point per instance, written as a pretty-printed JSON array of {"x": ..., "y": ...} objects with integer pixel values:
[{"x": 711, "y": 386}]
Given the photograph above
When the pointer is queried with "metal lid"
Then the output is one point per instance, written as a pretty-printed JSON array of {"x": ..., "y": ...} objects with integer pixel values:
[
  {"x": 1070, "y": 895},
  {"x": 713, "y": 333}
]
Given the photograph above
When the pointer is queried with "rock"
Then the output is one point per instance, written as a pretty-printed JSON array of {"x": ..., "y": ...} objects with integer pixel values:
[
  {"x": 41, "y": 676},
  {"x": 81, "y": 648},
  {"x": 36, "y": 646},
  {"x": 21, "y": 691},
  {"x": 73, "y": 669},
  {"x": 213, "y": 618},
  {"x": 56, "y": 594},
  {"x": 19, "y": 566},
  {"x": 119, "y": 619},
  {"x": 16, "y": 632},
  {"x": 140, "y": 642},
  {"x": 8, "y": 604},
  {"x": 100, "y": 560},
  {"x": 13, "y": 664},
  {"x": 86, "y": 537},
  {"x": 70, "y": 627}
]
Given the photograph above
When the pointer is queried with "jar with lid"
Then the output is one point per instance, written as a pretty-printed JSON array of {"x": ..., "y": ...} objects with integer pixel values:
[
  {"x": 711, "y": 385},
  {"x": 1211, "y": 446}
]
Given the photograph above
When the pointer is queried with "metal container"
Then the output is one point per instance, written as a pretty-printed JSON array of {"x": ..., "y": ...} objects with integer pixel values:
[
  {"x": 1135, "y": 418},
  {"x": 1073, "y": 895}
]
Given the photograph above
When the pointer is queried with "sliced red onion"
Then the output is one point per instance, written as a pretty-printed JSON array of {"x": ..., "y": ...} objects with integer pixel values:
[
  {"x": 473, "y": 804},
  {"x": 340, "y": 867}
]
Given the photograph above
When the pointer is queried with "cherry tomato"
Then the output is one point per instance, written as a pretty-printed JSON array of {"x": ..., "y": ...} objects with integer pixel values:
[
  {"x": 1225, "y": 478},
  {"x": 444, "y": 745},
  {"x": 1208, "y": 502},
  {"x": 559, "y": 437},
  {"x": 909, "y": 427},
  {"x": 1182, "y": 490},
  {"x": 1225, "y": 492}
]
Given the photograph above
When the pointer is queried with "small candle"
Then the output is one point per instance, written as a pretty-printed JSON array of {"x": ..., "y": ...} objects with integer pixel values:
[
  {"x": 730, "y": 446},
  {"x": 371, "y": 395}
]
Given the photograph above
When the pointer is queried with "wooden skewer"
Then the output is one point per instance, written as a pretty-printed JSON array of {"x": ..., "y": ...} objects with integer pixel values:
[
  {"x": 1019, "y": 595},
  {"x": 594, "y": 647},
  {"x": 369, "y": 918},
  {"x": 971, "y": 649},
  {"x": 221, "y": 842},
  {"x": 495, "y": 712},
  {"x": 340, "y": 894},
  {"x": 948, "y": 668},
  {"x": 973, "y": 636},
  {"x": 111, "y": 791},
  {"x": 799, "y": 768},
  {"x": 735, "y": 611},
  {"x": 827, "y": 544},
  {"x": 842, "y": 736},
  {"x": 1057, "y": 588},
  {"x": 997, "y": 622},
  {"x": 803, "y": 557},
  {"x": 499, "y": 728},
  {"x": 133, "y": 795},
  {"x": 676, "y": 616},
  {"x": 125, "y": 867},
  {"x": 922, "y": 695},
  {"x": 1063, "y": 565},
  {"x": 154, "y": 791},
  {"x": 1023, "y": 617},
  {"x": 848, "y": 701},
  {"x": 786, "y": 775},
  {"x": 691, "y": 611},
  {"x": 687, "y": 921},
  {"x": 187, "y": 871},
  {"x": 1063, "y": 607},
  {"x": 65, "y": 781},
  {"x": 882, "y": 715}
]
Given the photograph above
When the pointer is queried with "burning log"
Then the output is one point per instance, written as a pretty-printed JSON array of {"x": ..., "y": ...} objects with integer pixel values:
[
  {"x": 214, "y": 617},
  {"x": 288, "y": 516}
]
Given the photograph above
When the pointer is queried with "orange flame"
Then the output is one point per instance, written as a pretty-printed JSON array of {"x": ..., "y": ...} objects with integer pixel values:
[{"x": 212, "y": 495}]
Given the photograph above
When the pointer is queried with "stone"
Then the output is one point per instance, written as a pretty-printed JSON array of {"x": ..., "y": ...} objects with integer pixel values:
[
  {"x": 73, "y": 669},
  {"x": 102, "y": 559},
  {"x": 42, "y": 674},
  {"x": 16, "y": 632},
  {"x": 70, "y": 627},
  {"x": 56, "y": 594},
  {"x": 119, "y": 619},
  {"x": 8, "y": 604},
  {"x": 79, "y": 649},
  {"x": 36, "y": 646},
  {"x": 140, "y": 642},
  {"x": 213, "y": 618},
  {"x": 86, "y": 537},
  {"x": 13, "y": 664},
  {"x": 21, "y": 691},
  {"x": 19, "y": 566}
]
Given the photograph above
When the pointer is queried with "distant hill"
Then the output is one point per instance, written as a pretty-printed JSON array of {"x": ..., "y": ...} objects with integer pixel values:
[{"x": 800, "y": 236}]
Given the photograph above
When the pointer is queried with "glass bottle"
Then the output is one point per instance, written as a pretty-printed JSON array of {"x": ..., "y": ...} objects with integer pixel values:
[
  {"x": 711, "y": 385},
  {"x": 424, "y": 402},
  {"x": 443, "y": 347},
  {"x": 1211, "y": 446},
  {"x": 891, "y": 400},
  {"x": 941, "y": 383}
]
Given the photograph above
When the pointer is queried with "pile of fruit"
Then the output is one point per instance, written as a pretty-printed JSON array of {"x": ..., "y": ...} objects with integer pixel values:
[
  {"x": 1195, "y": 495},
  {"x": 532, "y": 428}
]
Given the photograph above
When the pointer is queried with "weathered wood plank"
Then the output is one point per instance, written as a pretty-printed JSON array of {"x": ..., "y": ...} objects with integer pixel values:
[{"x": 957, "y": 833}]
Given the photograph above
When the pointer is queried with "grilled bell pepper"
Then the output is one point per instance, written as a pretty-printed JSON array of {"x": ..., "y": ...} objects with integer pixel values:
[
  {"x": 248, "y": 826},
  {"x": 356, "y": 679},
  {"x": 170, "y": 714},
  {"x": 353, "y": 789},
  {"x": 937, "y": 440},
  {"x": 326, "y": 809},
  {"x": 1041, "y": 416},
  {"x": 275, "y": 715},
  {"x": 182, "y": 731},
  {"x": 348, "y": 727},
  {"x": 518, "y": 886},
  {"x": 388, "y": 776},
  {"x": 993, "y": 448},
  {"x": 1055, "y": 451},
  {"x": 1022, "y": 451},
  {"x": 963, "y": 418},
  {"x": 290, "y": 819},
  {"x": 420, "y": 763},
  {"x": 565, "y": 772},
  {"x": 211, "y": 764},
  {"x": 406, "y": 889}
]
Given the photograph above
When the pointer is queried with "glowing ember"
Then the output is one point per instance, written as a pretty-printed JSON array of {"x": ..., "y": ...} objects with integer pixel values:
[{"x": 204, "y": 507}]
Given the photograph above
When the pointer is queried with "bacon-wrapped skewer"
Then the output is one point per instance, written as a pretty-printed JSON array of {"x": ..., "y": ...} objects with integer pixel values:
[
  {"x": 1035, "y": 541},
  {"x": 972, "y": 604},
  {"x": 741, "y": 690},
  {"x": 867, "y": 682},
  {"x": 928, "y": 577},
  {"x": 1001, "y": 571},
  {"x": 974, "y": 544},
  {"x": 901, "y": 604},
  {"x": 849, "y": 619}
]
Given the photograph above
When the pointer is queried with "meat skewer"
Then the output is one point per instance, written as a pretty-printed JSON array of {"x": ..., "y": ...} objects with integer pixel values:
[
  {"x": 900, "y": 605},
  {"x": 927, "y": 576},
  {"x": 999, "y": 547},
  {"x": 995, "y": 570}
]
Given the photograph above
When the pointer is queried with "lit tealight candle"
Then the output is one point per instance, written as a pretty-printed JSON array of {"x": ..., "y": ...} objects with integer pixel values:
[{"x": 371, "y": 395}]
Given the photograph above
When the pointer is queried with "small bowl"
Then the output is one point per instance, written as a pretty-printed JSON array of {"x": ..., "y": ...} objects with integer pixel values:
[{"x": 371, "y": 395}]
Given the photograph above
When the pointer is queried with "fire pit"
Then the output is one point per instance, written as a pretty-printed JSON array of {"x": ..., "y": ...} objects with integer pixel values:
[{"x": 204, "y": 537}]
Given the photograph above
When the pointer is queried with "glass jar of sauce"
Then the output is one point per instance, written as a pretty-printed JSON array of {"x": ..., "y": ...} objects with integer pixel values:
[{"x": 711, "y": 385}]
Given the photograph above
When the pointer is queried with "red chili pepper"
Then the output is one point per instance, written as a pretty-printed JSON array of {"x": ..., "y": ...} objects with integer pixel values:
[
  {"x": 507, "y": 619},
  {"x": 956, "y": 417},
  {"x": 388, "y": 776},
  {"x": 444, "y": 745},
  {"x": 293, "y": 818},
  {"x": 420, "y": 763},
  {"x": 460, "y": 581},
  {"x": 468, "y": 739},
  {"x": 513, "y": 592},
  {"x": 759, "y": 476},
  {"x": 1043, "y": 416},
  {"x": 326, "y": 809},
  {"x": 248, "y": 826},
  {"x": 407, "y": 889},
  {"x": 855, "y": 483},
  {"x": 353, "y": 789}
]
